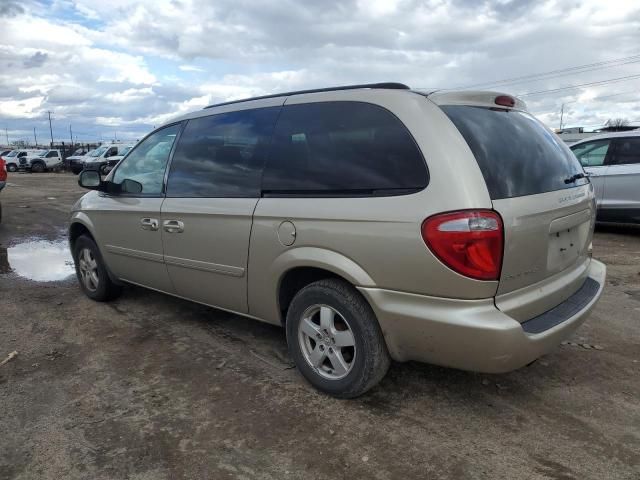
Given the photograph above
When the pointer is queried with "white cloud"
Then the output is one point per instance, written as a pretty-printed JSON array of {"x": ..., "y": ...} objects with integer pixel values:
[
  {"x": 134, "y": 67},
  {"x": 190, "y": 68}
]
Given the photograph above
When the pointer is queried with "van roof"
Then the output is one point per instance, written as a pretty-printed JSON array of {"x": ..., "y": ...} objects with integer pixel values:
[{"x": 383, "y": 85}]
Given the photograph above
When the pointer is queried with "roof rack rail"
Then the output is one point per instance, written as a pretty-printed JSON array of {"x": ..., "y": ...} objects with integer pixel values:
[{"x": 383, "y": 85}]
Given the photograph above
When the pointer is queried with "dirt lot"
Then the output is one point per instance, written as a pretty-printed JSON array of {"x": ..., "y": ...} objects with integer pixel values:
[{"x": 151, "y": 387}]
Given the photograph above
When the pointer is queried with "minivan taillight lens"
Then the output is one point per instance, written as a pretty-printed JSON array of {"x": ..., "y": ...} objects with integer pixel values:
[
  {"x": 469, "y": 242},
  {"x": 3, "y": 170}
]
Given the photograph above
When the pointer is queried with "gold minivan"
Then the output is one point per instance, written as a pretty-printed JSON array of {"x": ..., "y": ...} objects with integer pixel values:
[{"x": 373, "y": 222}]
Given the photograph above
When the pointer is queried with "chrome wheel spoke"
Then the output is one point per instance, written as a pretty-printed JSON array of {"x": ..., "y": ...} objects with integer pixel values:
[
  {"x": 326, "y": 318},
  {"x": 343, "y": 338},
  {"x": 317, "y": 356},
  {"x": 340, "y": 366},
  {"x": 308, "y": 328}
]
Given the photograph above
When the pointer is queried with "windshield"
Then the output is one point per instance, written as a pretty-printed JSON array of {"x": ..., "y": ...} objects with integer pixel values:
[
  {"x": 97, "y": 152},
  {"x": 125, "y": 151},
  {"x": 517, "y": 155},
  {"x": 13, "y": 153},
  {"x": 42, "y": 153}
]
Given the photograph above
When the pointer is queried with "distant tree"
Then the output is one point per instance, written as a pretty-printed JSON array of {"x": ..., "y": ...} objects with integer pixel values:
[{"x": 617, "y": 122}]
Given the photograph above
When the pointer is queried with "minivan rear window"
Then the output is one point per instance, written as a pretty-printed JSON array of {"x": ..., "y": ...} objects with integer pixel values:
[
  {"x": 342, "y": 149},
  {"x": 517, "y": 155}
]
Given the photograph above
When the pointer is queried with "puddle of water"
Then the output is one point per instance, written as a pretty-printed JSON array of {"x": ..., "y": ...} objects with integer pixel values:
[{"x": 38, "y": 260}]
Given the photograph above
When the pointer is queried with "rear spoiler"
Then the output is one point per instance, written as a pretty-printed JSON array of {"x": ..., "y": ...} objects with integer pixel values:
[{"x": 477, "y": 99}]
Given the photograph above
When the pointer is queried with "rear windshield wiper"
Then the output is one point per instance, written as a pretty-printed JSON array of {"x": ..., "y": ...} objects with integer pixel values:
[{"x": 575, "y": 177}]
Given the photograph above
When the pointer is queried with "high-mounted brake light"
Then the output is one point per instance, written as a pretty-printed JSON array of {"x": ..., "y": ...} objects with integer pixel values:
[
  {"x": 469, "y": 242},
  {"x": 505, "y": 101}
]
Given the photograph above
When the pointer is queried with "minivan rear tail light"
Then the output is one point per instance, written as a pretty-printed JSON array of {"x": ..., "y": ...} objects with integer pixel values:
[
  {"x": 3, "y": 170},
  {"x": 505, "y": 101},
  {"x": 469, "y": 242}
]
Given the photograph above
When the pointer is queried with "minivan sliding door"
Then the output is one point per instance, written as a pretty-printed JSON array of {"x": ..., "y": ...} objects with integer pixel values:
[{"x": 212, "y": 190}]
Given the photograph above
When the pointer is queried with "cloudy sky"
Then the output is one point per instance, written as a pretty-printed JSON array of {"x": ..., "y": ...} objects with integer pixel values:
[{"x": 119, "y": 67}]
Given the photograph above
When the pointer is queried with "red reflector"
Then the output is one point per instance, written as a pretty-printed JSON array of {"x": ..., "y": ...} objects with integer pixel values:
[
  {"x": 505, "y": 101},
  {"x": 469, "y": 242}
]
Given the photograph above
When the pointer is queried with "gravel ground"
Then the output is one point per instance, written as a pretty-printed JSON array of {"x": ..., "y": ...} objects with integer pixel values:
[{"x": 152, "y": 387}]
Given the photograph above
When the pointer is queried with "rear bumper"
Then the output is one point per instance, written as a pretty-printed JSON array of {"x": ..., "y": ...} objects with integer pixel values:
[{"x": 473, "y": 334}]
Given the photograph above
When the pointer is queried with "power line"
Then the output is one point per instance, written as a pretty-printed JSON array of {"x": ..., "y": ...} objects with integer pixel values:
[
  {"x": 589, "y": 84},
  {"x": 559, "y": 72}
]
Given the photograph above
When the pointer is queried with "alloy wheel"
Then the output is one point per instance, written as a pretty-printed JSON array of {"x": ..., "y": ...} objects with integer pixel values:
[
  {"x": 88, "y": 269},
  {"x": 327, "y": 342}
]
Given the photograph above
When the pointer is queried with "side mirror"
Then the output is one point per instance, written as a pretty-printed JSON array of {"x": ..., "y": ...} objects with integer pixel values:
[
  {"x": 130, "y": 186},
  {"x": 90, "y": 179}
]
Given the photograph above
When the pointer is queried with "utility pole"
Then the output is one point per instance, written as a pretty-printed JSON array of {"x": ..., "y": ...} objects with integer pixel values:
[
  {"x": 50, "y": 129},
  {"x": 71, "y": 135},
  {"x": 561, "y": 115},
  {"x": 34, "y": 137},
  {"x": 7, "y": 135}
]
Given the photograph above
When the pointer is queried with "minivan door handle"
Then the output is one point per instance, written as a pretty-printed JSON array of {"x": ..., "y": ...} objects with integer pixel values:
[
  {"x": 149, "y": 224},
  {"x": 173, "y": 226}
]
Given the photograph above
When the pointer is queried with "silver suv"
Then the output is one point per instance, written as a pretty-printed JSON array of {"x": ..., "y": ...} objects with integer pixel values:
[
  {"x": 373, "y": 222},
  {"x": 613, "y": 163}
]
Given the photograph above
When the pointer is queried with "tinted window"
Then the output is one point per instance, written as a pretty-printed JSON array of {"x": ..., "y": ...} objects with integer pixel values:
[
  {"x": 342, "y": 148},
  {"x": 222, "y": 155},
  {"x": 626, "y": 151},
  {"x": 52, "y": 154},
  {"x": 147, "y": 162},
  {"x": 516, "y": 153},
  {"x": 591, "y": 154}
]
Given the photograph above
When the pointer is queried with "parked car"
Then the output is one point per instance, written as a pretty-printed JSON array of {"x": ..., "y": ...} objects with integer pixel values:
[
  {"x": 114, "y": 159},
  {"x": 3, "y": 180},
  {"x": 75, "y": 162},
  {"x": 43, "y": 161},
  {"x": 612, "y": 162},
  {"x": 100, "y": 158},
  {"x": 372, "y": 222},
  {"x": 13, "y": 158}
]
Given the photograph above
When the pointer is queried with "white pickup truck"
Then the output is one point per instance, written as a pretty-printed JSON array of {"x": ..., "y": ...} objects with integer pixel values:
[{"x": 45, "y": 160}]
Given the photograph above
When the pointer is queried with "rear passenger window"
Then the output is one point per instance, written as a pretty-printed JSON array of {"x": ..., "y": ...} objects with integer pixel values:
[
  {"x": 222, "y": 155},
  {"x": 342, "y": 149},
  {"x": 626, "y": 151}
]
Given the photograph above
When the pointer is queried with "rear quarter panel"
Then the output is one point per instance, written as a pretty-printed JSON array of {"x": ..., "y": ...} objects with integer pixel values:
[{"x": 373, "y": 242}]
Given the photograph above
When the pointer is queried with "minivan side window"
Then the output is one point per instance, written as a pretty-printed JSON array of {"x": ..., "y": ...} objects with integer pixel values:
[
  {"x": 222, "y": 155},
  {"x": 146, "y": 164},
  {"x": 342, "y": 149},
  {"x": 592, "y": 154},
  {"x": 625, "y": 151}
]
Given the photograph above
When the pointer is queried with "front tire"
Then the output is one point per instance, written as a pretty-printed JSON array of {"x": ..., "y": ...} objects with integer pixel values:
[
  {"x": 92, "y": 272},
  {"x": 12, "y": 167},
  {"x": 335, "y": 339}
]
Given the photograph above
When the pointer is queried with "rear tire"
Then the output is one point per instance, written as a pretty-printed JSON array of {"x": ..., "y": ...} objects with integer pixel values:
[
  {"x": 335, "y": 340},
  {"x": 92, "y": 272}
]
